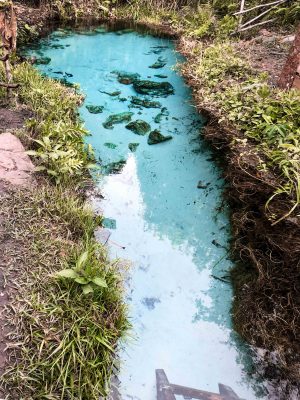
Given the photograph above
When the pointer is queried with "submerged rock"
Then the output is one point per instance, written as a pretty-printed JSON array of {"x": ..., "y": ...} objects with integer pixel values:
[
  {"x": 162, "y": 89},
  {"x": 133, "y": 146},
  {"x": 113, "y": 94},
  {"x": 109, "y": 223},
  {"x": 67, "y": 83},
  {"x": 94, "y": 109},
  {"x": 42, "y": 60},
  {"x": 146, "y": 103},
  {"x": 126, "y": 78},
  {"x": 58, "y": 46},
  {"x": 164, "y": 113},
  {"x": 110, "y": 145},
  {"x": 114, "y": 167},
  {"x": 156, "y": 137},
  {"x": 157, "y": 49},
  {"x": 124, "y": 31},
  {"x": 161, "y": 76},
  {"x": 202, "y": 185},
  {"x": 160, "y": 63},
  {"x": 100, "y": 30},
  {"x": 139, "y": 127},
  {"x": 117, "y": 119}
]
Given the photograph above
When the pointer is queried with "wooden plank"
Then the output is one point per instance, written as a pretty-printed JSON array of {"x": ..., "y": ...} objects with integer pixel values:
[
  {"x": 163, "y": 387},
  {"x": 227, "y": 393},
  {"x": 195, "y": 393}
]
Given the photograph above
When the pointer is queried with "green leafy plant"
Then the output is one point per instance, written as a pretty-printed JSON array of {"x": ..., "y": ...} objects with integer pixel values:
[
  {"x": 84, "y": 274},
  {"x": 58, "y": 135}
]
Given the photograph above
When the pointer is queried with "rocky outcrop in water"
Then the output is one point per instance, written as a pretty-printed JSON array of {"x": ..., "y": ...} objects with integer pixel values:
[
  {"x": 113, "y": 94},
  {"x": 156, "y": 137},
  {"x": 160, "y": 63},
  {"x": 139, "y": 127},
  {"x": 94, "y": 109},
  {"x": 144, "y": 102},
  {"x": 133, "y": 146},
  {"x": 163, "y": 113},
  {"x": 126, "y": 78},
  {"x": 117, "y": 119},
  {"x": 161, "y": 76},
  {"x": 151, "y": 88},
  {"x": 42, "y": 61},
  {"x": 114, "y": 167}
]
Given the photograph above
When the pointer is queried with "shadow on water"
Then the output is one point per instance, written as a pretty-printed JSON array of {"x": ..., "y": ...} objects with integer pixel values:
[{"x": 162, "y": 206}]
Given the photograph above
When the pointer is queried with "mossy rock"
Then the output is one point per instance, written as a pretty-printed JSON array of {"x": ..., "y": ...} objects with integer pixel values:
[
  {"x": 113, "y": 94},
  {"x": 109, "y": 223},
  {"x": 146, "y": 103},
  {"x": 160, "y": 89},
  {"x": 156, "y": 137},
  {"x": 43, "y": 61},
  {"x": 67, "y": 83},
  {"x": 124, "y": 31},
  {"x": 160, "y": 63},
  {"x": 164, "y": 113},
  {"x": 110, "y": 145},
  {"x": 139, "y": 127},
  {"x": 161, "y": 76},
  {"x": 114, "y": 167},
  {"x": 100, "y": 30},
  {"x": 94, "y": 109},
  {"x": 133, "y": 146},
  {"x": 126, "y": 78},
  {"x": 117, "y": 119}
]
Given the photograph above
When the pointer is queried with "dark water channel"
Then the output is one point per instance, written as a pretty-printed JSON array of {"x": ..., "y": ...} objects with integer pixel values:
[{"x": 162, "y": 208}]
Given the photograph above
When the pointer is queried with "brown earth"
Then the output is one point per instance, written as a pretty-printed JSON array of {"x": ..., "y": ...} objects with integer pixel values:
[{"x": 12, "y": 119}]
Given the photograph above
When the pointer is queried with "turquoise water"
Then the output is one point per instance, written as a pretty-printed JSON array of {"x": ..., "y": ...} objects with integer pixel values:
[{"x": 174, "y": 233}]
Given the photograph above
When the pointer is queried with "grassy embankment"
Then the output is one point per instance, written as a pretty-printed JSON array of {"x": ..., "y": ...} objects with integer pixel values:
[{"x": 68, "y": 312}]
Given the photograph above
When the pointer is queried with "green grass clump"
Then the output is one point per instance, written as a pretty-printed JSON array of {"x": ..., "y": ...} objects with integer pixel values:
[
  {"x": 66, "y": 340},
  {"x": 56, "y": 133}
]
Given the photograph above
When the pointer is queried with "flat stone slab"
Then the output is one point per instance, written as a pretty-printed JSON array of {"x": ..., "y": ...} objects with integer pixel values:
[
  {"x": 102, "y": 235},
  {"x": 15, "y": 165}
]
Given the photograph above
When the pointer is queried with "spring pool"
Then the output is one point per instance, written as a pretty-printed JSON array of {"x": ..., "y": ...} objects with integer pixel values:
[{"x": 163, "y": 209}]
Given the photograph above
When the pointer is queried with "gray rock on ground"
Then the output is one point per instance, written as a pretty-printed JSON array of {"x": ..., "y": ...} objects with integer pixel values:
[{"x": 15, "y": 165}]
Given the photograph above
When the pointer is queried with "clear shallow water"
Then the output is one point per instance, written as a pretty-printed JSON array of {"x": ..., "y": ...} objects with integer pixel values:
[{"x": 175, "y": 234}]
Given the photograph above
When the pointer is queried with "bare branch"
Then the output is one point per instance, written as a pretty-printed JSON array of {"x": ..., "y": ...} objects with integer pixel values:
[
  {"x": 9, "y": 85},
  {"x": 277, "y": 2},
  {"x": 259, "y": 23},
  {"x": 258, "y": 16}
]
